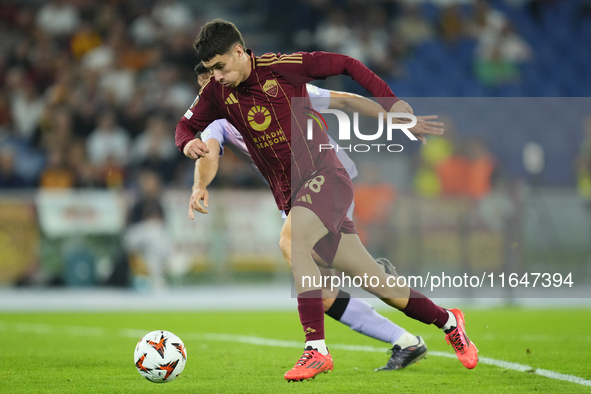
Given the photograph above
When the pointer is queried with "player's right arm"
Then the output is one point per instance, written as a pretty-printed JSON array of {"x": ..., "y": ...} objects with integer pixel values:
[
  {"x": 205, "y": 171},
  {"x": 203, "y": 112}
]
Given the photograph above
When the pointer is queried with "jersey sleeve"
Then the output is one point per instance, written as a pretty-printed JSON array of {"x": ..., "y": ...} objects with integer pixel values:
[
  {"x": 202, "y": 113},
  {"x": 217, "y": 131},
  {"x": 320, "y": 97},
  {"x": 320, "y": 65}
]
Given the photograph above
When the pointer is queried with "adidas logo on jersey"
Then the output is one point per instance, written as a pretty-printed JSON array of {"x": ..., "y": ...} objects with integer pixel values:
[
  {"x": 305, "y": 198},
  {"x": 231, "y": 99}
]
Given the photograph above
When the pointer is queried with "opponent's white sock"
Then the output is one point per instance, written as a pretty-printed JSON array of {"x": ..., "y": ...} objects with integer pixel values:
[
  {"x": 361, "y": 317},
  {"x": 451, "y": 322},
  {"x": 319, "y": 345},
  {"x": 406, "y": 340}
]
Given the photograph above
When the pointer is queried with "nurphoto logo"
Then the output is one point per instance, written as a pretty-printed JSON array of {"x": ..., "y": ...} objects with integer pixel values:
[{"x": 344, "y": 134}]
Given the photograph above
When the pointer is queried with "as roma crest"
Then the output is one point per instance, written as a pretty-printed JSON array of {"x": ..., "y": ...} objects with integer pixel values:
[{"x": 270, "y": 87}]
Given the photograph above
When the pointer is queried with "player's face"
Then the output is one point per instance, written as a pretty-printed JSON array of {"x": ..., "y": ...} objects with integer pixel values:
[{"x": 229, "y": 69}]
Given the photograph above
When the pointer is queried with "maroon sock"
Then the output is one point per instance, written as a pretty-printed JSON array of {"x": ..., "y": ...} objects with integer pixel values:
[
  {"x": 311, "y": 312},
  {"x": 423, "y": 309}
]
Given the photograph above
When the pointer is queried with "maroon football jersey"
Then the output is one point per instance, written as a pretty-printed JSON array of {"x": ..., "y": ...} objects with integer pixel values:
[{"x": 261, "y": 109}]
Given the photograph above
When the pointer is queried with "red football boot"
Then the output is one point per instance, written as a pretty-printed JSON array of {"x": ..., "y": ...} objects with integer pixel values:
[
  {"x": 309, "y": 365},
  {"x": 458, "y": 339}
]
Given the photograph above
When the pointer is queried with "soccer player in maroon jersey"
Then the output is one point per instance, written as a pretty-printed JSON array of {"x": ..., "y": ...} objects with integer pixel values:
[
  {"x": 254, "y": 94},
  {"x": 354, "y": 312}
]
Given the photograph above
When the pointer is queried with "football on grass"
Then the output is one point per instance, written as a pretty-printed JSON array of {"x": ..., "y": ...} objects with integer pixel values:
[{"x": 160, "y": 356}]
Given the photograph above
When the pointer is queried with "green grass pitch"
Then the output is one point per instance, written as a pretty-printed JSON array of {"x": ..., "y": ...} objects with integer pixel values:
[{"x": 93, "y": 353}]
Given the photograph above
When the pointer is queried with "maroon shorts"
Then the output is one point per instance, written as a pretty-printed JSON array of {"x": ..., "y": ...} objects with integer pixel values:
[{"x": 329, "y": 194}]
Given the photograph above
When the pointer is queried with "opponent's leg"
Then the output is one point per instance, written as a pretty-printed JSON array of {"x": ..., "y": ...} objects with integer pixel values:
[
  {"x": 353, "y": 259},
  {"x": 361, "y": 317}
]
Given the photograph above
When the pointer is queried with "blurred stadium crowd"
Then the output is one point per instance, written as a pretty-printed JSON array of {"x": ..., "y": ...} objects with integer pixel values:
[{"x": 91, "y": 90}]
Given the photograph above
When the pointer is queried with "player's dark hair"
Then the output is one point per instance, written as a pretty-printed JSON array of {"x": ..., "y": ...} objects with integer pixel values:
[
  {"x": 200, "y": 69},
  {"x": 217, "y": 37}
]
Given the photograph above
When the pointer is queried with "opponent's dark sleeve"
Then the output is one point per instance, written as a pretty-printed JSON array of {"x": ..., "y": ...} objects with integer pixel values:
[
  {"x": 197, "y": 118},
  {"x": 319, "y": 65}
]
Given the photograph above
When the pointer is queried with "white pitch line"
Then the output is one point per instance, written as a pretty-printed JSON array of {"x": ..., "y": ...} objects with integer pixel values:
[
  {"x": 296, "y": 344},
  {"x": 138, "y": 333}
]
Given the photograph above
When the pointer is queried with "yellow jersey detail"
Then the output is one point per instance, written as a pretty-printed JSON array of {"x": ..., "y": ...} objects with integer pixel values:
[
  {"x": 259, "y": 118},
  {"x": 231, "y": 99}
]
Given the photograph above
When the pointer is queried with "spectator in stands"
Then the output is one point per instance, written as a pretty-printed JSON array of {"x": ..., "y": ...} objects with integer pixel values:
[
  {"x": 500, "y": 49},
  {"x": 84, "y": 39},
  {"x": 144, "y": 29},
  {"x": 453, "y": 172},
  {"x": 108, "y": 149},
  {"x": 57, "y": 174},
  {"x": 133, "y": 115},
  {"x": 167, "y": 91},
  {"x": 494, "y": 70},
  {"x": 172, "y": 15},
  {"x": 27, "y": 105},
  {"x": 60, "y": 91},
  {"x": 58, "y": 18},
  {"x": 108, "y": 140},
  {"x": 411, "y": 26},
  {"x": 513, "y": 47},
  {"x": 9, "y": 178},
  {"x": 481, "y": 168},
  {"x": 486, "y": 22},
  {"x": 146, "y": 239},
  {"x": 452, "y": 26},
  {"x": 439, "y": 148},
  {"x": 106, "y": 16},
  {"x": 154, "y": 148},
  {"x": 87, "y": 99},
  {"x": 371, "y": 37},
  {"x": 102, "y": 57},
  {"x": 334, "y": 32},
  {"x": 56, "y": 129},
  {"x": 85, "y": 174},
  {"x": 496, "y": 33},
  {"x": 468, "y": 172}
]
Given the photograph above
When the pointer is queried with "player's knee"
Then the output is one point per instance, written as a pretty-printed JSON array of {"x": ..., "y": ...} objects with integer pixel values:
[{"x": 285, "y": 245}]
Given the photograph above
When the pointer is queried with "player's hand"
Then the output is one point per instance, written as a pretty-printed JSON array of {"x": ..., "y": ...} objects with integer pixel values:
[
  {"x": 195, "y": 149},
  {"x": 401, "y": 106},
  {"x": 426, "y": 126},
  {"x": 194, "y": 204}
]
